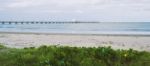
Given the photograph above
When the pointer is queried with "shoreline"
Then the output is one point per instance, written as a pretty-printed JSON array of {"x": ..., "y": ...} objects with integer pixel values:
[
  {"x": 87, "y": 34},
  {"x": 21, "y": 40}
]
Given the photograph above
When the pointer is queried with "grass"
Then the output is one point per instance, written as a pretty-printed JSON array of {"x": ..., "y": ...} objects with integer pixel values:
[{"x": 72, "y": 56}]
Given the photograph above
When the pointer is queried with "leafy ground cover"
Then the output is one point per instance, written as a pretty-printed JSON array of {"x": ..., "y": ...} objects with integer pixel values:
[{"x": 72, "y": 56}]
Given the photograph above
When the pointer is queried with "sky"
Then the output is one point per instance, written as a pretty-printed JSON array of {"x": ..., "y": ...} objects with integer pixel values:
[{"x": 75, "y": 10}]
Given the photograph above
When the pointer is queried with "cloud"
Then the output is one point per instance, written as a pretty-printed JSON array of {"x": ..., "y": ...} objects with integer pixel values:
[
  {"x": 76, "y": 4},
  {"x": 23, "y": 3},
  {"x": 78, "y": 9}
]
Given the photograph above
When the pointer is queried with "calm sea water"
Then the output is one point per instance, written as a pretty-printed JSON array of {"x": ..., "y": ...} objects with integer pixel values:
[{"x": 81, "y": 28}]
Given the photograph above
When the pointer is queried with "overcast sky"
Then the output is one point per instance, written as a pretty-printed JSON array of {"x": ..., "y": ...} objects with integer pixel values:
[{"x": 80, "y": 10}]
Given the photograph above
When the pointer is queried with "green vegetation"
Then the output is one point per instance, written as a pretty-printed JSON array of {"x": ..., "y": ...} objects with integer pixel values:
[{"x": 72, "y": 56}]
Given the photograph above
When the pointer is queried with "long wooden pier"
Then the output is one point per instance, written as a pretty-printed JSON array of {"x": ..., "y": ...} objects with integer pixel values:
[{"x": 38, "y": 22}]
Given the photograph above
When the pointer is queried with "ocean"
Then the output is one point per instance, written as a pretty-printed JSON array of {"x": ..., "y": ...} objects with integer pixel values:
[{"x": 81, "y": 28}]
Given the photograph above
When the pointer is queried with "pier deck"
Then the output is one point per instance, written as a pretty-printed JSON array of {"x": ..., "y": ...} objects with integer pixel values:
[{"x": 38, "y": 22}]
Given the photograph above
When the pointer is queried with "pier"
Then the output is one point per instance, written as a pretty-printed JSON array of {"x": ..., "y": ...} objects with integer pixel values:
[{"x": 40, "y": 22}]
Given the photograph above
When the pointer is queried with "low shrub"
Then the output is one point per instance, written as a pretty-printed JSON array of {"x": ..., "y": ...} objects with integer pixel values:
[{"x": 72, "y": 56}]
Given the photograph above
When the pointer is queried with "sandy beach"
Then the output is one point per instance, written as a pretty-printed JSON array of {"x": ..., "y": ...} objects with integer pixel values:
[{"x": 21, "y": 40}]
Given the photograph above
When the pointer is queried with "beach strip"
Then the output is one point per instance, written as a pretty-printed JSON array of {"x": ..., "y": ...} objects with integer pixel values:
[{"x": 116, "y": 41}]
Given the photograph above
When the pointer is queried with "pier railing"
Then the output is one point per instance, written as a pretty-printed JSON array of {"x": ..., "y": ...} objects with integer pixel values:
[{"x": 38, "y": 22}]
